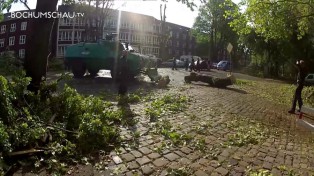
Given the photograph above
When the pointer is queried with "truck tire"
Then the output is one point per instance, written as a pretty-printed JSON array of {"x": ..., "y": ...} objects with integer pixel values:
[
  {"x": 93, "y": 72},
  {"x": 78, "y": 69}
]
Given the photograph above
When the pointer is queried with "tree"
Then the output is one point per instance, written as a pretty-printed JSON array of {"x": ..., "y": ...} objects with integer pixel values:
[
  {"x": 163, "y": 37},
  {"x": 39, "y": 43},
  {"x": 212, "y": 26},
  {"x": 278, "y": 19},
  {"x": 278, "y": 31},
  {"x": 38, "y": 48}
]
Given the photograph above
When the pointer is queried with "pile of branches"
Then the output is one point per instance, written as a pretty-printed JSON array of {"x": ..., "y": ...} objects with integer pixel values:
[
  {"x": 161, "y": 81},
  {"x": 52, "y": 127},
  {"x": 212, "y": 81}
]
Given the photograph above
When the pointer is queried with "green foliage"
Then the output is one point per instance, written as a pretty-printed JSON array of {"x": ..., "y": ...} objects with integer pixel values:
[
  {"x": 274, "y": 19},
  {"x": 164, "y": 127},
  {"x": 168, "y": 103},
  {"x": 180, "y": 172},
  {"x": 212, "y": 29},
  {"x": 246, "y": 133},
  {"x": 275, "y": 33},
  {"x": 134, "y": 98},
  {"x": 261, "y": 172},
  {"x": 56, "y": 65},
  {"x": 242, "y": 82},
  {"x": 64, "y": 122},
  {"x": 278, "y": 92},
  {"x": 10, "y": 64}
]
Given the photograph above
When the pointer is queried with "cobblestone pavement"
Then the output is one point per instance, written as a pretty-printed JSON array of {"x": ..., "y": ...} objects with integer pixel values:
[{"x": 283, "y": 149}]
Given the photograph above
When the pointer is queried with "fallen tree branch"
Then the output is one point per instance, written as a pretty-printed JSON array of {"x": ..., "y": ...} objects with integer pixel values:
[
  {"x": 212, "y": 81},
  {"x": 24, "y": 152}
]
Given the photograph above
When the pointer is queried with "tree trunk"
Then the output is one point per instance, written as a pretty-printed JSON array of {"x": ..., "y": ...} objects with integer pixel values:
[
  {"x": 163, "y": 36},
  {"x": 38, "y": 48}
]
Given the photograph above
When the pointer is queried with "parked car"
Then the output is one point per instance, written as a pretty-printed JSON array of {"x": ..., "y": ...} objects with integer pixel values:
[
  {"x": 169, "y": 63},
  {"x": 223, "y": 65},
  {"x": 189, "y": 58},
  {"x": 214, "y": 65},
  {"x": 309, "y": 79},
  {"x": 203, "y": 65}
]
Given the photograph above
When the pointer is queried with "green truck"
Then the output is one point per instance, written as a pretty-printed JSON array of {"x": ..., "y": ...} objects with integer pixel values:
[{"x": 105, "y": 55}]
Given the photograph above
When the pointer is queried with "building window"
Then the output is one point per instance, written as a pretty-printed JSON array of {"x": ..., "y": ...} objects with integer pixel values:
[
  {"x": 13, "y": 27},
  {"x": 23, "y": 26},
  {"x": 22, "y": 53},
  {"x": 61, "y": 50},
  {"x": 1, "y": 42},
  {"x": 22, "y": 39},
  {"x": 65, "y": 36},
  {"x": 78, "y": 35},
  {"x": 178, "y": 35},
  {"x": 11, "y": 41},
  {"x": 178, "y": 44},
  {"x": 67, "y": 21},
  {"x": 3, "y": 28},
  {"x": 170, "y": 51},
  {"x": 184, "y": 37}
]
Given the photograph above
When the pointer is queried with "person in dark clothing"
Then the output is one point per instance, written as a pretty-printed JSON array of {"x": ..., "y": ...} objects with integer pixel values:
[
  {"x": 174, "y": 66},
  {"x": 198, "y": 65},
  {"x": 186, "y": 64},
  {"x": 208, "y": 65},
  {"x": 123, "y": 74},
  {"x": 192, "y": 67},
  {"x": 302, "y": 73}
]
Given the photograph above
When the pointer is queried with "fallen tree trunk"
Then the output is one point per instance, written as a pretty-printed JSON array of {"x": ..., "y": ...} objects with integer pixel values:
[{"x": 212, "y": 81}]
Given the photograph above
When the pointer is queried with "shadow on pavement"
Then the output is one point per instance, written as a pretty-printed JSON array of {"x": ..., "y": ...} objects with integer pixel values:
[
  {"x": 236, "y": 90},
  {"x": 107, "y": 87}
]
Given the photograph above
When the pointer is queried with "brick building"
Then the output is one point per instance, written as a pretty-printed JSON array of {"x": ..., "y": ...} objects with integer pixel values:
[
  {"x": 181, "y": 42},
  {"x": 14, "y": 34},
  {"x": 141, "y": 31}
]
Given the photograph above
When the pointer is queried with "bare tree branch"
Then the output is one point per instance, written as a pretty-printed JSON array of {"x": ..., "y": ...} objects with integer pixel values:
[{"x": 25, "y": 4}]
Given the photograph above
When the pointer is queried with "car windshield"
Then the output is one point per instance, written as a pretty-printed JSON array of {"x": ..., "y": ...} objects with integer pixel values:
[{"x": 222, "y": 63}]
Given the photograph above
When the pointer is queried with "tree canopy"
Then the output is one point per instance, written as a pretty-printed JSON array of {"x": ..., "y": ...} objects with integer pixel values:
[
  {"x": 274, "y": 19},
  {"x": 211, "y": 25}
]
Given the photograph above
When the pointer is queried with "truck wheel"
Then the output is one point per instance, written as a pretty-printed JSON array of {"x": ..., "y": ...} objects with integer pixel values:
[
  {"x": 93, "y": 72},
  {"x": 78, "y": 69},
  {"x": 113, "y": 74}
]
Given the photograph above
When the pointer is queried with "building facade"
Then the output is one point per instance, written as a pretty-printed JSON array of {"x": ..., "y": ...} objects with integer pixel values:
[
  {"x": 181, "y": 42},
  {"x": 142, "y": 32},
  {"x": 13, "y": 35}
]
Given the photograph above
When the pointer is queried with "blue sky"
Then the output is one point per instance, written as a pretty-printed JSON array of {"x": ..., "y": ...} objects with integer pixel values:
[{"x": 176, "y": 12}]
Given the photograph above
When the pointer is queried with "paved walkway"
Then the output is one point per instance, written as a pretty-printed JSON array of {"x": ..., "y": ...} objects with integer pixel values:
[
  {"x": 284, "y": 148},
  {"x": 233, "y": 133}
]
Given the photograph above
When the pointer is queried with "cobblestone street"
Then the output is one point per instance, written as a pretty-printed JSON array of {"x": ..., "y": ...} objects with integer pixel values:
[{"x": 215, "y": 119}]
